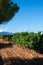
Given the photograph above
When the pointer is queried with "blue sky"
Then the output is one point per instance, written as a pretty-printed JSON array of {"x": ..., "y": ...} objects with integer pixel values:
[{"x": 29, "y": 17}]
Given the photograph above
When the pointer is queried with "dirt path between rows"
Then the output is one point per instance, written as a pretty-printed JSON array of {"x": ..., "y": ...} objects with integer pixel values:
[{"x": 14, "y": 55}]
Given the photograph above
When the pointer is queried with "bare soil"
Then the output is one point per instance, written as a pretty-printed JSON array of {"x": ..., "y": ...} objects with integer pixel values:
[{"x": 15, "y": 55}]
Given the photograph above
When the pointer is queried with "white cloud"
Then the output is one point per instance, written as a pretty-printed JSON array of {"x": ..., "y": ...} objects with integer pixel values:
[{"x": 2, "y": 30}]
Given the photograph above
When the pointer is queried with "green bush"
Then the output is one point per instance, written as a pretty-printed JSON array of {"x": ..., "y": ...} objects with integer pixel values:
[
  {"x": 28, "y": 40},
  {"x": 1, "y": 36}
]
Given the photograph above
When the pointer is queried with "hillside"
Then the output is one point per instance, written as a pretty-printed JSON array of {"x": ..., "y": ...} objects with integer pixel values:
[{"x": 6, "y": 33}]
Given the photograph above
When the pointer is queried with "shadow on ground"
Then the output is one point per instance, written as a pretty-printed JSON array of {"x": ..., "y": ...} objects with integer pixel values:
[
  {"x": 5, "y": 45},
  {"x": 18, "y": 61},
  {"x": 1, "y": 62}
]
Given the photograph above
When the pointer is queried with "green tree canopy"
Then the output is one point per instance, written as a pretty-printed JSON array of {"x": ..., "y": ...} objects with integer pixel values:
[{"x": 7, "y": 10}]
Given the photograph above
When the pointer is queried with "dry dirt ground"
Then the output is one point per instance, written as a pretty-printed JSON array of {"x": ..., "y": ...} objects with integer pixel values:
[{"x": 15, "y": 55}]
